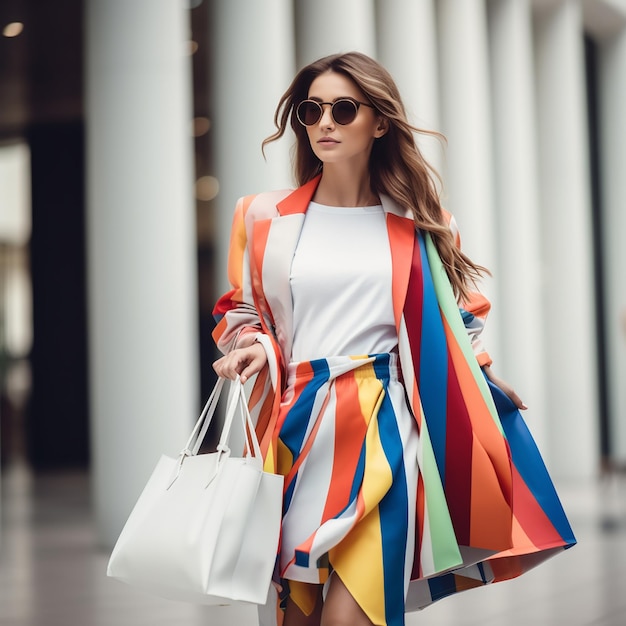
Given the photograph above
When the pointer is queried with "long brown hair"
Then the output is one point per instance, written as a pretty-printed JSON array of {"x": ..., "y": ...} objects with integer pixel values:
[{"x": 397, "y": 167}]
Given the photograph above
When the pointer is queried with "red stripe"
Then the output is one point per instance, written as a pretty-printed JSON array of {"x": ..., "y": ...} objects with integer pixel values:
[
  {"x": 458, "y": 485},
  {"x": 224, "y": 304},
  {"x": 531, "y": 517},
  {"x": 413, "y": 313},
  {"x": 419, "y": 530}
]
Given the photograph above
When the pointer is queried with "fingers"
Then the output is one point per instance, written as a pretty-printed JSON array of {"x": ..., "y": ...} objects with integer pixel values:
[
  {"x": 254, "y": 366},
  {"x": 243, "y": 362},
  {"x": 517, "y": 401},
  {"x": 509, "y": 391},
  {"x": 506, "y": 388},
  {"x": 230, "y": 366}
]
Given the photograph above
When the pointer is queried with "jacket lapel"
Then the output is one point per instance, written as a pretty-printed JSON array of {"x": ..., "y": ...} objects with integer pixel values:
[
  {"x": 401, "y": 232},
  {"x": 280, "y": 238}
]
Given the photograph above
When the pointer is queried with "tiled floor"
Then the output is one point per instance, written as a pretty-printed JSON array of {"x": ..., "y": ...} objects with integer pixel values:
[{"x": 53, "y": 574}]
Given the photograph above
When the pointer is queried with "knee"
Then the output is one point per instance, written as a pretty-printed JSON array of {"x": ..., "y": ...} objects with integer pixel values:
[
  {"x": 337, "y": 620},
  {"x": 343, "y": 612}
]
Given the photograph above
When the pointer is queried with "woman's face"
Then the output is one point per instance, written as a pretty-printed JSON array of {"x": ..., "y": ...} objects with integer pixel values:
[{"x": 332, "y": 142}]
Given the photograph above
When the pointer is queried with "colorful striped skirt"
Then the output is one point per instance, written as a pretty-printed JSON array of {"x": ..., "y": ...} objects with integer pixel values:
[{"x": 347, "y": 446}]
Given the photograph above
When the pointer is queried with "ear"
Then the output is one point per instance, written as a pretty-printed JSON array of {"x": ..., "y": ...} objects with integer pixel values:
[{"x": 382, "y": 128}]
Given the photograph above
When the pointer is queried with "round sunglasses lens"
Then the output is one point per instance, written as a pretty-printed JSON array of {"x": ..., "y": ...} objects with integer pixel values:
[
  {"x": 344, "y": 111},
  {"x": 309, "y": 113}
]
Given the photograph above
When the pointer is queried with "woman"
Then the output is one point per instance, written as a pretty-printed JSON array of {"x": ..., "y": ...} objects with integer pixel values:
[{"x": 399, "y": 486}]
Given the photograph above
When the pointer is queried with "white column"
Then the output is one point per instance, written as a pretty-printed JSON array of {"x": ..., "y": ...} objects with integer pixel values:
[
  {"x": 517, "y": 201},
  {"x": 567, "y": 242},
  {"x": 466, "y": 121},
  {"x": 252, "y": 66},
  {"x": 141, "y": 246},
  {"x": 613, "y": 157},
  {"x": 326, "y": 27},
  {"x": 407, "y": 47}
]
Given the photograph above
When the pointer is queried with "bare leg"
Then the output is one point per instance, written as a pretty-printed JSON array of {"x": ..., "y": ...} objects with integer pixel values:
[
  {"x": 340, "y": 608},
  {"x": 295, "y": 617}
]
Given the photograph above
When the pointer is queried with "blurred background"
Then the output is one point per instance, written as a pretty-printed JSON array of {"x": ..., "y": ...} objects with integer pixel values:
[{"x": 129, "y": 128}]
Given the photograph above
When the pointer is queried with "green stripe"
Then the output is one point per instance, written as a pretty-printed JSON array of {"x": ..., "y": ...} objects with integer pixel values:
[
  {"x": 446, "y": 553},
  {"x": 450, "y": 310}
]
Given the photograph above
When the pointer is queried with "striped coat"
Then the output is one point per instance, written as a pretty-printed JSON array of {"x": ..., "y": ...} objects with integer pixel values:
[{"x": 470, "y": 529}]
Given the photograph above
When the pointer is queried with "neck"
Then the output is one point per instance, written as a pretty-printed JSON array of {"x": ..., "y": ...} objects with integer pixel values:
[{"x": 338, "y": 187}]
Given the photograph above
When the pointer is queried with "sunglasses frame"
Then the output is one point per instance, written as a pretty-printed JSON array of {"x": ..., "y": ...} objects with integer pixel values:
[{"x": 356, "y": 103}]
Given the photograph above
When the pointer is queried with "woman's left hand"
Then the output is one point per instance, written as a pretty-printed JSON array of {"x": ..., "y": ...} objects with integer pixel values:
[{"x": 506, "y": 388}]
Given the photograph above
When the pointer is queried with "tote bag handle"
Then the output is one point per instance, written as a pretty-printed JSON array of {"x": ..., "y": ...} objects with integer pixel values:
[{"x": 237, "y": 399}]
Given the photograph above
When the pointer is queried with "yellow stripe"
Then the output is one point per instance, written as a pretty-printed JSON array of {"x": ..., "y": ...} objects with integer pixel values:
[
  {"x": 370, "y": 391},
  {"x": 285, "y": 459},
  {"x": 358, "y": 561},
  {"x": 378, "y": 477},
  {"x": 268, "y": 464},
  {"x": 304, "y": 595}
]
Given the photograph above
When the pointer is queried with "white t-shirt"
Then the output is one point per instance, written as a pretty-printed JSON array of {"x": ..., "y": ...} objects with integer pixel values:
[{"x": 341, "y": 284}]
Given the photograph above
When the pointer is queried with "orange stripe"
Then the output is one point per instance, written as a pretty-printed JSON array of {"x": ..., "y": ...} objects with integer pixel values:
[
  {"x": 532, "y": 518},
  {"x": 463, "y": 583},
  {"x": 401, "y": 238},
  {"x": 220, "y": 329},
  {"x": 261, "y": 233},
  {"x": 236, "y": 247},
  {"x": 298, "y": 201},
  {"x": 259, "y": 244},
  {"x": 417, "y": 404},
  {"x": 483, "y": 423},
  {"x": 490, "y": 515},
  {"x": 349, "y": 437},
  {"x": 506, "y": 568}
]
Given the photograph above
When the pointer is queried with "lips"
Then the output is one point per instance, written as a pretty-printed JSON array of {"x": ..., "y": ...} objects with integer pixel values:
[{"x": 327, "y": 140}]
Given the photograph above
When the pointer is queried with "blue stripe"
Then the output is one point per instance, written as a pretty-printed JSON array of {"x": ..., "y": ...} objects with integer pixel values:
[
  {"x": 358, "y": 478},
  {"x": 288, "y": 496},
  {"x": 294, "y": 428},
  {"x": 394, "y": 513},
  {"x": 442, "y": 586},
  {"x": 527, "y": 459},
  {"x": 381, "y": 366},
  {"x": 481, "y": 569},
  {"x": 302, "y": 558},
  {"x": 467, "y": 317},
  {"x": 433, "y": 374}
]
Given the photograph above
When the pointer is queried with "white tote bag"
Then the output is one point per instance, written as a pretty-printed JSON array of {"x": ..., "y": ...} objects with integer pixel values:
[{"x": 205, "y": 528}]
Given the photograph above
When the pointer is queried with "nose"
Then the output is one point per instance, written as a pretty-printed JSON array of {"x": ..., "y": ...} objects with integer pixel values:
[{"x": 326, "y": 121}]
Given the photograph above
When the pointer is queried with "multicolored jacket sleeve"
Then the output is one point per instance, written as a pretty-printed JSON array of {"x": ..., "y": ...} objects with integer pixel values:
[
  {"x": 474, "y": 310},
  {"x": 237, "y": 318},
  {"x": 235, "y": 312}
]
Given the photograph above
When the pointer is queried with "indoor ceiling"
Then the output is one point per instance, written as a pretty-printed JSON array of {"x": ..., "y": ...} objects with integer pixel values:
[{"x": 40, "y": 68}]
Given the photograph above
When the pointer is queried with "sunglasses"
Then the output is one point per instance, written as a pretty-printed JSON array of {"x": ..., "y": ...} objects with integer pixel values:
[{"x": 344, "y": 110}]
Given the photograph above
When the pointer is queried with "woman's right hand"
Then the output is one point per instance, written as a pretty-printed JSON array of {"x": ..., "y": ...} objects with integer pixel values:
[{"x": 243, "y": 361}]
